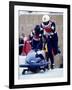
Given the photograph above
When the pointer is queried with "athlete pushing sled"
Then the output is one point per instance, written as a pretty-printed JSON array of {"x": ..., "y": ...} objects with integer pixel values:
[{"x": 35, "y": 59}]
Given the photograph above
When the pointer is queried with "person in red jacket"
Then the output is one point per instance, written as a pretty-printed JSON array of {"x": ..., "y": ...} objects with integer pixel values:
[{"x": 27, "y": 46}]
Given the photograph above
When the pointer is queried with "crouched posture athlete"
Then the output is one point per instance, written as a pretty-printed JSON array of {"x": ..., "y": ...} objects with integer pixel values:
[
  {"x": 51, "y": 37},
  {"x": 36, "y": 38}
]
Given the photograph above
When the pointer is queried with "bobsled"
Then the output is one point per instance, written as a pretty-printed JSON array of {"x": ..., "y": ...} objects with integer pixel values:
[{"x": 34, "y": 62}]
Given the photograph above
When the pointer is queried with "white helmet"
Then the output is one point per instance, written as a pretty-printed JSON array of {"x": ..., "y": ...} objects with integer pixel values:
[{"x": 45, "y": 18}]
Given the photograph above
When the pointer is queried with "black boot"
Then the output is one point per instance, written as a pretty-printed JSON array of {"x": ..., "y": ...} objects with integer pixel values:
[
  {"x": 47, "y": 67},
  {"x": 52, "y": 66}
]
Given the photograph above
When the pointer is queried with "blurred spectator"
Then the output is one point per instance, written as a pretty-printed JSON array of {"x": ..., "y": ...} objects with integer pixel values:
[
  {"x": 27, "y": 46},
  {"x": 21, "y": 43}
]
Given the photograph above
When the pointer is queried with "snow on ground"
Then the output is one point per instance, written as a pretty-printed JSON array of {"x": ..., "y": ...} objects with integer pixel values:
[{"x": 57, "y": 72}]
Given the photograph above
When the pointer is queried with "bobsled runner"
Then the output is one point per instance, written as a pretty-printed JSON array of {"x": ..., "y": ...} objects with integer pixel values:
[{"x": 35, "y": 62}]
